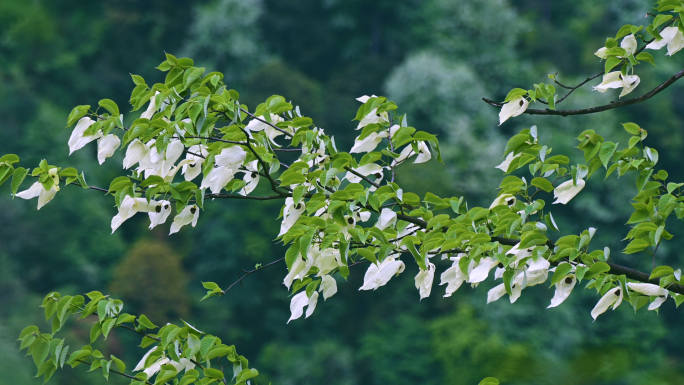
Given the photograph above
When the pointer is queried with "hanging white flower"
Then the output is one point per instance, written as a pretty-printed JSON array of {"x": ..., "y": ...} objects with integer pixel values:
[
  {"x": 379, "y": 275},
  {"x": 326, "y": 260},
  {"x": 454, "y": 277},
  {"x": 298, "y": 303},
  {"x": 156, "y": 366},
  {"x": 217, "y": 178},
  {"x": 129, "y": 207},
  {"x": 251, "y": 178},
  {"x": 141, "y": 364},
  {"x": 135, "y": 152},
  {"x": 629, "y": 44},
  {"x": 612, "y": 298},
  {"x": 151, "y": 108},
  {"x": 328, "y": 286},
  {"x": 616, "y": 79},
  {"x": 188, "y": 215},
  {"x": 563, "y": 289},
  {"x": 423, "y": 154},
  {"x": 369, "y": 143},
  {"x": 364, "y": 98},
  {"x": 672, "y": 37},
  {"x": 512, "y": 109},
  {"x": 37, "y": 190},
  {"x": 373, "y": 117},
  {"x": 160, "y": 214},
  {"x": 291, "y": 214},
  {"x": 365, "y": 170},
  {"x": 231, "y": 157},
  {"x": 651, "y": 290},
  {"x": 106, "y": 146},
  {"x": 256, "y": 125},
  {"x": 424, "y": 280},
  {"x": 77, "y": 140},
  {"x": 567, "y": 190},
  {"x": 387, "y": 219},
  {"x": 503, "y": 199},
  {"x": 503, "y": 166},
  {"x": 602, "y": 53},
  {"x": 194, "y": 168},
  {"x": 299, "y": 269},
  {"x": 481, "y": 271}
]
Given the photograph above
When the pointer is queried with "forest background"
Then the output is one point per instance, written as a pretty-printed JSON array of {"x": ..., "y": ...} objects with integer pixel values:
[{"x": 436, "y": 59}]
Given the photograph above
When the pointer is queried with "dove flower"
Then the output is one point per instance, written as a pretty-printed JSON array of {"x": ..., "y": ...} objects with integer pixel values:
[
  {"x": 37, "y": 190},
  {"x": 291, "y": 214},
  {"x": 369, "y": 143},
  {"x": 328, "y": 286},
  {"x": 188, "y": 215},
  {"x": 300, "y": 301},
  {"x": 106, "y": 146},
  {"x": 563, "y": 289},
  {"x": 481, "y": 271},
  {"x": 503, "y": 199},
  {"x": 651, "y": 290},
  {"x": 612, "y": 298},
  {"x": 629, "y": 44},
  {"x": 77, "y": 140},
  {"x": 498, "y": 291},
  {"x": 387, "y": 219},
  {"x": 160, "y": 214},
  {"x": 364, "y": 98},
  {"x": 373, "y": 117},
  {"x": 129, "y": 207},
  {"x": 378, "y": 275},
  {"x": 365, "y": 170},
  {"x": 453, "y": 277},
  {"x": 231, "y": 157},
  {"x": 194, "y": 168},
  {"x": 567, "y": 190},
  {"x": 135, "y": 152},
  {"x": 424, "y": 280},
  {"x": 602, "y": 53},
  {"x": 512, "y": 109},
  {"x": 151, "y": 108},
  {"x": 503, "y": 166},
  {"x": 217, "y": 178},
  {"x": 423, "y": 154},
  {"x": 299, "y": 269},
  {"x": 256, "y": 125},
  {"x": 616, "y": 79},
  {"x": 251, "y": 178},
  {"x": 672, "y": 37}
]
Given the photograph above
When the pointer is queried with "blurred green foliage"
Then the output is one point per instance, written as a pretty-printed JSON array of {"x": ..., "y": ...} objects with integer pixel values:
[{"x": 436, "y": 59}]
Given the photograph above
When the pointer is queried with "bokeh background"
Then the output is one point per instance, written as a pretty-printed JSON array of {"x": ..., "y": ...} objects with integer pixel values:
[{"x": 436, "y": 59}]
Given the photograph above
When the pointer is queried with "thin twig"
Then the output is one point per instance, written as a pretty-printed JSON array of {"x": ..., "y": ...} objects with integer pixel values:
[{"x": 250, "y": 272}]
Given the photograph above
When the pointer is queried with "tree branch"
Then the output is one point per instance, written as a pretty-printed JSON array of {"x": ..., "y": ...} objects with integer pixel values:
[
  {"x": 605, "y": 107},
  {"x": 250, "y": 272}
]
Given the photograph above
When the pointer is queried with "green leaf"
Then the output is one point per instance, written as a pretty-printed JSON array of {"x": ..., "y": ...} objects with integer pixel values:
[
  {"x": 213, "y": 373},
  {"x": 246, "y": 374},
  {"x": 611, "y": 62},
  {"x": 647, "y": 57},
  {"x": 660, "y": 19},
  {"x": 40, "y": 350},
  {"x": 661, "y": 271},
  {"x": 138, "y": 80},
  {"x": 368, "y": 255},
  {"x": 145, "y": 322},
  {"x": 107, "y": 326},
  {"x": 561, "y": 272},
  {"x": 489, "y": 381},
  {"x": 596, "y": 269},
  {"x": 77, "y": 113},
  {"x": 17, "y": 178},
  {"x": 543, "y": 184},
  {"x": 110, "y": 106},
  {"x": 632, "y": 128},
  {"x": 531, "y": 238},
  {"x": 206, "y": 344},
  {"x": 636, "y": 246},
  {"x": 606, "y": 152},
  {"x": 515, "y": 93}
]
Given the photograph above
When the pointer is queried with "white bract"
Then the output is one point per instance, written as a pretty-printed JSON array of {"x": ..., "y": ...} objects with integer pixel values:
[
  {"x": 563, "y": 289},
  {"x": 454, "y": 277},
  {"x": 616, "y": 79},
  {"x": 613, "y": 297},
  {"x": 78, "y": 140},
  {"x": 650, "y": 290},
  {"x": 672, "y": 37},
  {"x": 291, "y": 213},
  {"x": 129, "y": 207},
  {"x": 369, "y": 143},
  {"x": 260, "y": 124},
  {"x": 300, "y": 301},
  {"x": 37, "y": 190},
  {"x": 512, "y": 109},
  {"x": 423, "y": 154},
  {"x": 503, "y": 166},
  {"x": 567, "y": 190},
  {"x": 188, "y": 215},
  {"x": 161, "y": 212},
  {"x": 151, "y": 108},
  {"x": 629, "y": 44},
  {"x": 503, "y": 199},
  {"x": 135, "y": 152},
  {"x": 424, "y": 280},
  {"x": 379, "y": 275},
  {"x": 387, "y": 219},
  {"x": 106, "y": 146},
  {"x": 196, "y": 154},
  {"x": 328, "y": 286}
]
